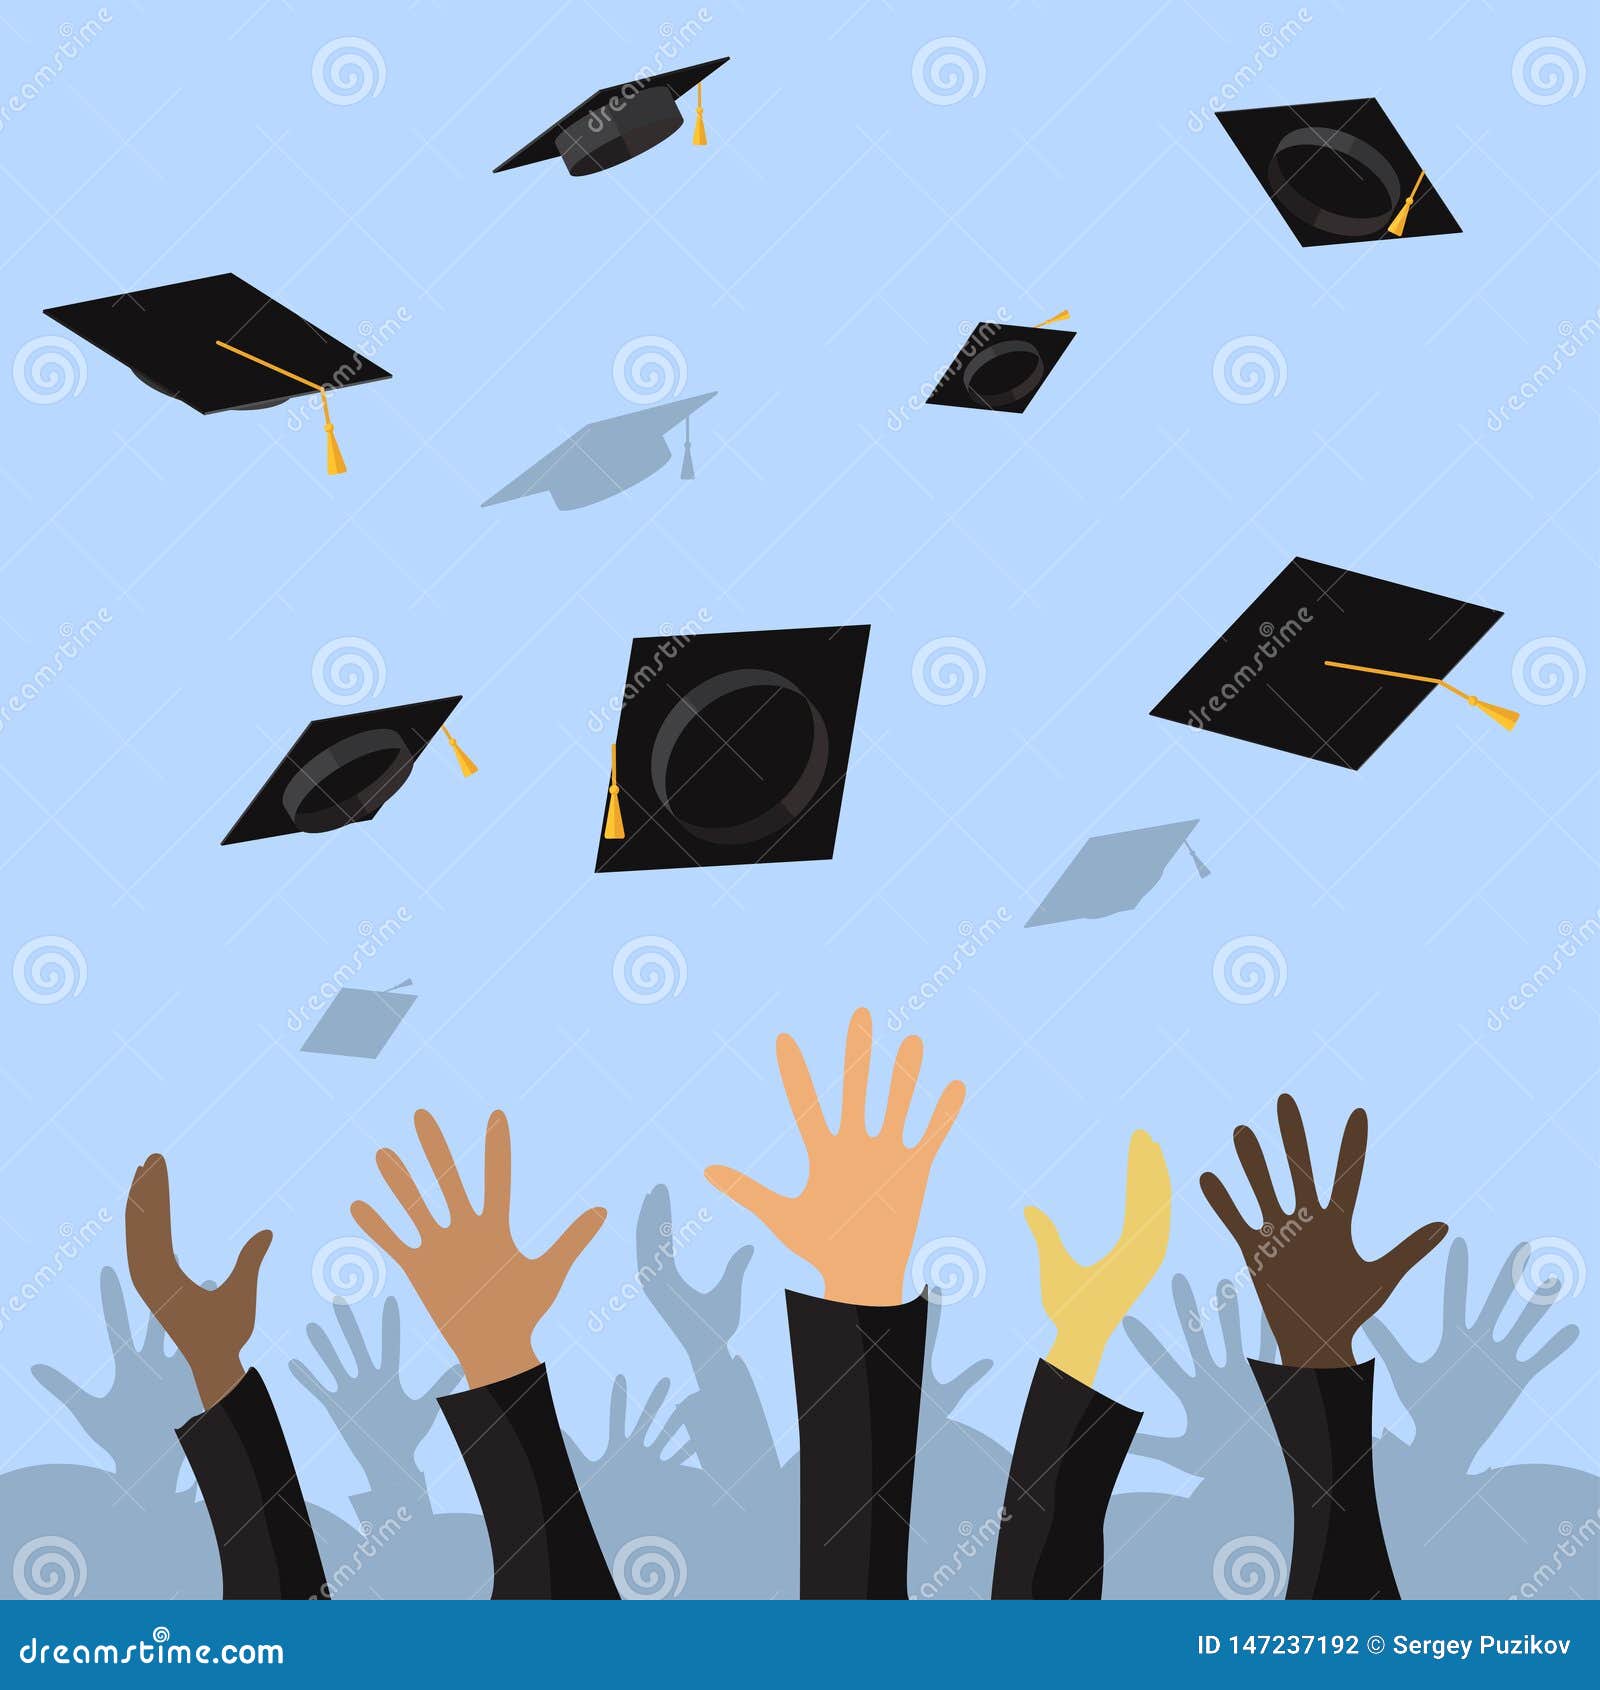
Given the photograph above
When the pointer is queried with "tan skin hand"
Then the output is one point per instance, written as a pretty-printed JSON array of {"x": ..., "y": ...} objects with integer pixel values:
[
  {"x": 856, "y": 1219},
  {"x": 209, "y": 1327},
  {"x": 1314, "y": 1285},
  {"x": 485, "y": 1296}
]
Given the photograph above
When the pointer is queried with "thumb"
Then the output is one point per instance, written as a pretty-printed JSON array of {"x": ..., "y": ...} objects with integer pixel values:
[
  {"x": 731, "y": 1283},
  {"x": 762, "y": 1202},
  {"x": 247, "y": 1268}
]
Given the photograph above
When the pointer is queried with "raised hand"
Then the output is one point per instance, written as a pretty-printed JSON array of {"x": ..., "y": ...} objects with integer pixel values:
[
  {"x": 1087, "y": 1303},
  {"x": 629, "y": 1457},
  {"x": 380, "y": 1421},
  {"x": 151, "y": 1392},
  {"x": 210, "y": 1325},
  {"x": 485, "y": 1296},
  {"x": 856, "y": 1219},
  {"x": 1458, "y": 1395},
  {"x": 703, "y": 1322},
  {"x": 1315, "y": 1286}
]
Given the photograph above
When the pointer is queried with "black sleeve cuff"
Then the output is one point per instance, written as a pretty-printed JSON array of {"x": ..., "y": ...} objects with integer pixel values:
[
  {"x": 858, "y": 1387},
  {"x": 1070, "y": 1448},
  {"x": 1323, "y": 1418},
  {"x": 539, "y": 1531},
  {"x": 258, "y": 1516}
]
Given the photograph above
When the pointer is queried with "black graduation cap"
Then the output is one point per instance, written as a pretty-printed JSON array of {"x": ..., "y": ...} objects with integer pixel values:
[
  {"x": 1338, "y": 172},
  {"x": 616, "y": 124},
  {"x": 1328, "y": 663},
  {"x": 732, "y": 748},
  {"x": 344, "y": 769},
  {"x": 219, "y": 344},
  {"x": 1002, "y": 366}
]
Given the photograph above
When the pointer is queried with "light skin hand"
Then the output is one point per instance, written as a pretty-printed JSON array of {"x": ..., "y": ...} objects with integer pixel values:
[
  {"x": 1087, "y": 1303},
  {"x": 856, "y": 1219},
  {"x": 1314, "y": 1284},
  {"x": 484, "y": 1295},
  {"x": 209, "y": 1326}
]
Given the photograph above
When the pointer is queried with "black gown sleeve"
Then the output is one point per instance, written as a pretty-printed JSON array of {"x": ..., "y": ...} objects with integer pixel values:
[
  {"x": 1323, "y": 1418},
  {"x": 258, "y": 1516},
  {"x": 1070, "y": 1447},
  {"x": 857, "y": 1386},
  {"x": 539, "y": 1532}
]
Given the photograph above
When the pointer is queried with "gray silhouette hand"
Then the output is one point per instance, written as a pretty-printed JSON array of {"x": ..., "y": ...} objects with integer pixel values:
[
  {"x": 632, "y": 1458},
  {"x": 703, "y": 1322},
  {"x": 151, "y": 1394},
  {"x": 378, "y": 1419},
  {"x": 1458, "y": 1395},
  {"x": 943, "y": 1396},
  {"x": 1226, "y": 1427}
]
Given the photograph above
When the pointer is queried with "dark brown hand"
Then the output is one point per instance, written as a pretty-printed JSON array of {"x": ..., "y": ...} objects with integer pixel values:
[
  {"x": 210, "y": 1327},
  {"x": 1314, "y": 1285}
]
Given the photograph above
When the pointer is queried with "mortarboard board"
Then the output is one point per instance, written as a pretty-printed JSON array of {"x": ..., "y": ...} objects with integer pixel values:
[
  {"x": 219, "y": 344},
  {"x": 1113, "y": 872},
  {"x": 1338, "y": 172},
  {"x": 359, "y": 1022},
  {"x": 606, "y": 458},
  {"x": 732, "y": 748},
  {"x": 616, "y": 124},
  {"x": 344, "y": 769},
  {"x": 1002, "y": 366},
  {"x": 1327, "y": 664}
]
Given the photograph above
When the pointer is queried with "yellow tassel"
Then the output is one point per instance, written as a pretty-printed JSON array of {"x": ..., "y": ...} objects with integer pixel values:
[
  {"x": 1059, "y": 317},
  {"x": 468, "y": 767},
  {"x": 1507, "y": 719},
  {"x": 1398, "y": 227},
  {"x": 335, "y": 456},
  {"x": 613, "y": 829},
  {"x": 698, "y": 139}
]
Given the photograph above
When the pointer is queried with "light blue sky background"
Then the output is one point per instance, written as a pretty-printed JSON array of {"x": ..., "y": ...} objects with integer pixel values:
[{"x": 817, "y": 264}]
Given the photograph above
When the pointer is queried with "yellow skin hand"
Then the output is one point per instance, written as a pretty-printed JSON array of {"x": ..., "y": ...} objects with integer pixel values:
[{"x": 1087, "y": 1302}]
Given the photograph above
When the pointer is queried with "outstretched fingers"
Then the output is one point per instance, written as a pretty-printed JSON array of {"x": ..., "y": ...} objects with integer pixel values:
[
  {"x": 573, "y": 1242},
  {"x": 1394, "y": 1266},
  {"x": 902, "y": 1088},
  {"x": 1352, "y": 1160},
  {"x": 801, "y": 1092},
  {"x": 857, "y": 1065},
  {"x": 1292, "y": 1130},
  {"x": 381, "y": 1233},
  {"x": 1227, "y": 1211},
  {"x": 437, "y": 1149},
  {"x": 762, "y": 1202},
  {"x": 942, "y": 1120}
]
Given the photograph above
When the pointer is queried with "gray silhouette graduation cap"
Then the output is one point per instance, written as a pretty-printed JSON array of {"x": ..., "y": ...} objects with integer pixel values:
[
  {"x": 607, "y": 457},
  {"x": 358, "y": 1022},
  {"x": 1114, "y": 872}
]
